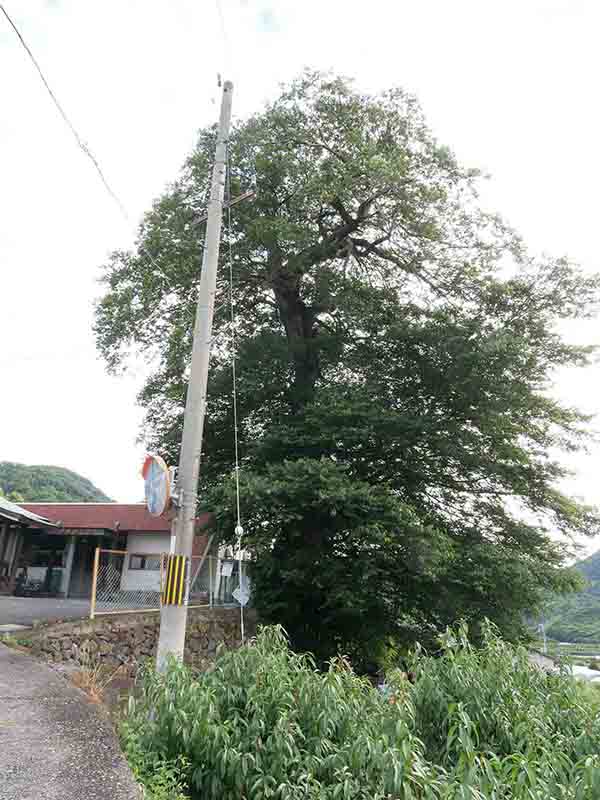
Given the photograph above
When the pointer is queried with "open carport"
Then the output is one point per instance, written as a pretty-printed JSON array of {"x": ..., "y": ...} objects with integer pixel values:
[{"x": 14, "y": 522}]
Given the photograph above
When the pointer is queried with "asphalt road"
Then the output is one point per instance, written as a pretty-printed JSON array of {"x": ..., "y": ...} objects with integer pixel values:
[
  {"x": 54, "y": 743},
  {"x": 29, "y": 610}
]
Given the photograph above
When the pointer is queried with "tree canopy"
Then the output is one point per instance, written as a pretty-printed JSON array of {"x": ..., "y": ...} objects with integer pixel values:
[
  {"x": 33, "y": 484},
  {"x": 395, "y": 349}
]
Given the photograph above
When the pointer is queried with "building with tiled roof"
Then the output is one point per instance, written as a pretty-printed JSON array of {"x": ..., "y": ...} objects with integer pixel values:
[{"x": 57, "y": 544}]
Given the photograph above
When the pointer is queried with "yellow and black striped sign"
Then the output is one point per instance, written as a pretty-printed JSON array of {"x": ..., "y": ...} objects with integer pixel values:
[{"x": 174, "y": 585}]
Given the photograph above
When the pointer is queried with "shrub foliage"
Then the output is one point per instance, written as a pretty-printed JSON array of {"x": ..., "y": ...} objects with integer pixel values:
[{"x": 477, "y": 723}]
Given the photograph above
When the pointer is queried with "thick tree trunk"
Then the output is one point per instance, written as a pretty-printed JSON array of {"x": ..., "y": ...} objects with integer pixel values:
[{"x": 299, "y": 323}]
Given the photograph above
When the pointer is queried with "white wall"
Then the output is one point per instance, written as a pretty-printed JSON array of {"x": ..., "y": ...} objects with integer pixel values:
[{"x": 140, "y": 544}]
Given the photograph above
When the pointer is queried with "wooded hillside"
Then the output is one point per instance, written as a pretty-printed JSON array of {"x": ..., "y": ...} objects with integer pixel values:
[
  {"x": 38, "y": 483},
  {"x": 576, "y": 617}
]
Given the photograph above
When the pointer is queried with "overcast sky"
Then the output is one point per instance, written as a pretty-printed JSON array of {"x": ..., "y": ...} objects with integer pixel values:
[{"x": 510, "y": 85}]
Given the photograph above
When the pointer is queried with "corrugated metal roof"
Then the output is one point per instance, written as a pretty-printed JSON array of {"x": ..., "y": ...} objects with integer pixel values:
[{"x": 15, "y": 513}]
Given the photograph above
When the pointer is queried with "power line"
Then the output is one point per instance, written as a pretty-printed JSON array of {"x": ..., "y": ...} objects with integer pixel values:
[
  {"x": 82, "y": 145},
  {"x": 63, "y": 114},
  {"x": 80, "y": 142}
]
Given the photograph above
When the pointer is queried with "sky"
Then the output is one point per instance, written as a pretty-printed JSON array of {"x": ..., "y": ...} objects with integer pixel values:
[{"x": 509, "y": 85}]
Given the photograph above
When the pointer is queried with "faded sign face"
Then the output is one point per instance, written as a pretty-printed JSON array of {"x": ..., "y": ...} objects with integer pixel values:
[{"x": 156, "y": 482}]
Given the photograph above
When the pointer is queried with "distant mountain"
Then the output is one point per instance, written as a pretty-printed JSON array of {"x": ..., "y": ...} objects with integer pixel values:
[
  {"x": 590, "y": 568},
  {"x": 38, "y": 484},
  {"x": 576, "y": 617}
]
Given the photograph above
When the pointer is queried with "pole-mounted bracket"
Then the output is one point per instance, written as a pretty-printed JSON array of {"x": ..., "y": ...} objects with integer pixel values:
[{"x": 250, "y": 195}]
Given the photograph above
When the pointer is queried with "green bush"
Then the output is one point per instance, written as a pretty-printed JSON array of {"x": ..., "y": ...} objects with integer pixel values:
[
  {"x": 476, "y": 724},
  {"x": 161, "y": 779}
]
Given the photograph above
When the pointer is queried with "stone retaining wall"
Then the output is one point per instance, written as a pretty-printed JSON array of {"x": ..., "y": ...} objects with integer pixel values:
[{"x": 130, "y": 639}]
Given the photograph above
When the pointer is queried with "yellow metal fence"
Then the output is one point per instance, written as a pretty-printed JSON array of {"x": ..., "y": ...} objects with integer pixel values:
[{"x": 125, "y": 583}]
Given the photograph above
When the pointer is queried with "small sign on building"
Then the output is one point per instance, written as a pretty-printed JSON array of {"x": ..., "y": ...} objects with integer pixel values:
[{"x": 227, "y": 569}]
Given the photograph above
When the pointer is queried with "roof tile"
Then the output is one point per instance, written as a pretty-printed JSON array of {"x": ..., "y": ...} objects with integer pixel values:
[{"x": 119, "y": 517}]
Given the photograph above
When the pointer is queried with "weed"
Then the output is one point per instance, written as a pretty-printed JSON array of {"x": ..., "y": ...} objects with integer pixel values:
[
  {"x": 93, "y": 676},
  {"x": 161, "y": 779},
  {"x": 17, "y": 642}
]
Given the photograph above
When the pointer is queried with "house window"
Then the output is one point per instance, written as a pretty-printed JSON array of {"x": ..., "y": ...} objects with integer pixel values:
[{"x": 144, "y": 562}]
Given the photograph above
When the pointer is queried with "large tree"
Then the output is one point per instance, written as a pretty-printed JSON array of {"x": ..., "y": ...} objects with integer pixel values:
[{"x": 395, "y": 348}]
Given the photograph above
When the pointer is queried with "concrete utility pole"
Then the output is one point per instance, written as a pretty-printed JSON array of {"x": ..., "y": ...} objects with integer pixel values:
[{"x": 173, "y": 618}]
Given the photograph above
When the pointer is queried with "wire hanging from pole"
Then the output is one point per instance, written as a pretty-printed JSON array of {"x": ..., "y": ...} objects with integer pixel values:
[
  {"x": 238, "y": 527},
  {"x": 82, "y": 145},
  {"x": 80, "y": 142}
]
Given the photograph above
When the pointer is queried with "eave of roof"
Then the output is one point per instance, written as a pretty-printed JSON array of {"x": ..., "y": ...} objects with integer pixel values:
[
  {"x": 115, "y": 517},
  {"x": 12, "y": 512}
]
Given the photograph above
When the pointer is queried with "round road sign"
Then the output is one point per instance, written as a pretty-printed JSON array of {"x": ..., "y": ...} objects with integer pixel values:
[{"x": 157, "y": 484}]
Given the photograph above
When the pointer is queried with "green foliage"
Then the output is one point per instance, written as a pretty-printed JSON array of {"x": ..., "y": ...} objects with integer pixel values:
[
  {"x": 161, "y": 780},
  {"x": 11, "y": 640},
  {"x": 503, "y": 706},
  {"x": 576, "y": 617},
  {"x": 352, "y": 598},
  {"x": 32, "y": 484},
  {"x": 477, "y": 723},
  {"x": 590, "y": 569},
  {"x": 14, "y": 497},
  {"x": 395, "y": 345}
]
